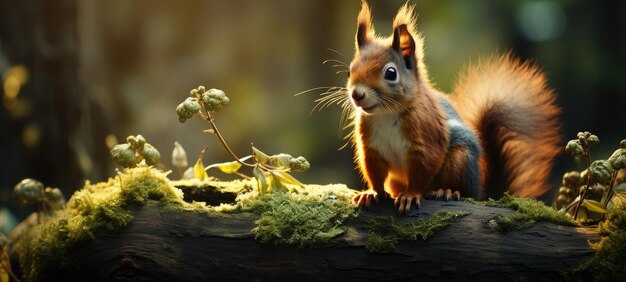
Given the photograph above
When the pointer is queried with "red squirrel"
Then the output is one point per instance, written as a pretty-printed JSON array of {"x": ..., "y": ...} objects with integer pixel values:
[{"x": 497, "y": 132}]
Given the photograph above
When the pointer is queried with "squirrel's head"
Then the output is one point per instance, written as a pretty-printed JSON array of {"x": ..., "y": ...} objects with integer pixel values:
[{"x": 386, "y": 72}]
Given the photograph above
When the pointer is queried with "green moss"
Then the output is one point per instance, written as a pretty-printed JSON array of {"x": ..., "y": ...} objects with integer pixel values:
[
  {"x": 305, "y": 217},
  {"x": 385, "y": 233},
  {"x": 101, "y": 206},
  {"x": 139, "y": 185},
  {"x": 609, "y": 262},
  {"x": 528, "y": 213}
]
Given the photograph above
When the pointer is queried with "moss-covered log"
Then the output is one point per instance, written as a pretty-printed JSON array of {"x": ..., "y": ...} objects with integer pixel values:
[{"x": 179, "y": 245}]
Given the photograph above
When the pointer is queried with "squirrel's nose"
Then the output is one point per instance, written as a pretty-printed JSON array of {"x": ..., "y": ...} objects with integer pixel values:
[{"x": 357, "y": 96}]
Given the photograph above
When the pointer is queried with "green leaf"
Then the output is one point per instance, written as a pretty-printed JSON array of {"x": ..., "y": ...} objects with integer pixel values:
[
  {"x": 198, "y": 168},
  {"x": 287, "y": 178},
  {"x": 259, "y": 156},
  {"x": 229, "y": 167},
  {"x": 260, "y": 179},
  {"x": 276, "y": 185},
  {"x": 572, "y": 204},
  {"x": 594, "y": 206}
]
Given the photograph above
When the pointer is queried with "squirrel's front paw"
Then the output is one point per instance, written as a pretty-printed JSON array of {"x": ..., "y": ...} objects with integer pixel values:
[
  {"x": 405, "y": 200},
  {"x": 365, "y": 198},
  {"x": 445, "y": 195}
]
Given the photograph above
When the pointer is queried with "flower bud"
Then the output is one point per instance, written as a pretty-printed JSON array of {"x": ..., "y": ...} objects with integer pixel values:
[
  {"x": 299, "y": 164},
  {"x": 593, "y": 140},
  {"x": 574, "y": 148},
  {"x": 187, "y": 109},
  {"x": 124, "y": 155},
  {"x": 54, "y": 199},
  {"x": 131, "y": 140},
  {"x": 601, "y": 171},
  {"x": 150, "y": 154},
  {"x": 214, "y": 99},
  {"x": 179, "y": 156},
  {"x": 140, "y": 141},
  {"x": 28, "y": 192}
]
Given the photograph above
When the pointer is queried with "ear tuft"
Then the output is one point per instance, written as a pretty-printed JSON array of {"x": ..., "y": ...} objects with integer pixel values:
[
  {"x": 406, "y": 16},
  {"x": 365, "y": 29},
  {"x": 404, "y": 44},
  {"x": 406, "y": 40}
]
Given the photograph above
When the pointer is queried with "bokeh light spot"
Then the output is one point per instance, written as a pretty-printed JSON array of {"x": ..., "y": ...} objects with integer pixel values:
[
  {"x": 31, "y": 135},
  {"x": 541, "y": 20}
]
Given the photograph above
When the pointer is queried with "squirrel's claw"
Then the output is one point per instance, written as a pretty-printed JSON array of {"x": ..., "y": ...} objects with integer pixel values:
[
  {"x": 446, "y": 195},
  {"x": 364, "y": 199},
  {"x": 405, "y": 200}
]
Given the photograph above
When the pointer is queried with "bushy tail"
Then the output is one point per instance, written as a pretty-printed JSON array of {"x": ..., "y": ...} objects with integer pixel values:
[{"x": 511, "y": 108}]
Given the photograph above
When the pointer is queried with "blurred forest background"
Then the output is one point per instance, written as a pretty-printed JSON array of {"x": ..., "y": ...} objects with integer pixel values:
[{"x": 74, "y": 72}]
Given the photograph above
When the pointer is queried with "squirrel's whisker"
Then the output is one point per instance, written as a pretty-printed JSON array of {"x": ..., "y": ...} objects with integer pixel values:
[
  {"x": 318, "y": 88},
  {"x": 337, "y": 52}
]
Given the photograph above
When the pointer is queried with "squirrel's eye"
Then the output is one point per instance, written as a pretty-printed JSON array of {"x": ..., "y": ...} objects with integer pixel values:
[{"x": 391, "y": 74}]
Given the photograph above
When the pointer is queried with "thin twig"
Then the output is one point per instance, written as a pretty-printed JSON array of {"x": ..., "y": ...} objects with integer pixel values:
[{"x": 207, "y": 116}]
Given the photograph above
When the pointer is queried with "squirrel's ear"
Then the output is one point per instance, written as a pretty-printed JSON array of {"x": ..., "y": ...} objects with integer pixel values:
[
  {"x": 365, "y": 30},
  {"x": 404, "y": 44}
]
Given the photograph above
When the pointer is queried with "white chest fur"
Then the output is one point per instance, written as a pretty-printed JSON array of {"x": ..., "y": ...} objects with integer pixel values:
[{"x": 388, "y": 139}]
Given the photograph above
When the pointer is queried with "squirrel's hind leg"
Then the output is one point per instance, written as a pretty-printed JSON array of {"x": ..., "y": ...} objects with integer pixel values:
[{"x": 458, "y": 176}]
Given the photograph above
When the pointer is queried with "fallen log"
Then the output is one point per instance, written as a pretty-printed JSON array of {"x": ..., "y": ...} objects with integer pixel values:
[{"x": 174, "y": 245}]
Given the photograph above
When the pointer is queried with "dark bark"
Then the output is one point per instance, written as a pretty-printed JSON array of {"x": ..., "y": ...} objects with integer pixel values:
[{"x": 179, "y": 246}]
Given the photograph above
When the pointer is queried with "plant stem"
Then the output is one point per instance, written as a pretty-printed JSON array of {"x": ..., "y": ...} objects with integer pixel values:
[
  {"x": 584, "y": 193},
  {"x": 207, "y": 116},
  {"x": 611, "y": 191},
  {"x": 7, "y": 267}
]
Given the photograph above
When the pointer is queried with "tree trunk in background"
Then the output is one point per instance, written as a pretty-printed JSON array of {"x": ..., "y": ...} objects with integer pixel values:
[{"x": 53, "y": 133}]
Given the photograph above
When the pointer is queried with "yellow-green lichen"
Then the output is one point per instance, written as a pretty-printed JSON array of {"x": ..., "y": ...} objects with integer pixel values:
[
  {"x": 609, "y": 262},
  {"x": 528, "y": 213},
  {"x": 385, "y": 233}
]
